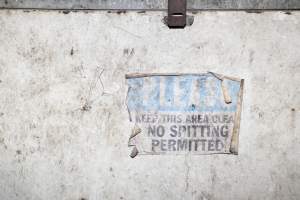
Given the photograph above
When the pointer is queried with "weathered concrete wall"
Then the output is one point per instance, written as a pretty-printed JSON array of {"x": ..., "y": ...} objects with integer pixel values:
[{"x": 64, "y": 125}]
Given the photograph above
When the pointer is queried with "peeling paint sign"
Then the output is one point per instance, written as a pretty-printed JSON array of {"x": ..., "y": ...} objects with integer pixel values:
[{"x": 184, "y": 113}]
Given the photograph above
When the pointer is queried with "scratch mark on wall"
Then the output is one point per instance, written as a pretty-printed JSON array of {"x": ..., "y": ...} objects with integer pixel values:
[
  {"x": 128, "y": 32},
  {"x": 187, "y": 174}
]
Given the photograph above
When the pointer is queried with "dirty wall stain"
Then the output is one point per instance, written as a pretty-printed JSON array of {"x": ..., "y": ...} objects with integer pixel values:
[{"x": 184, "y": 113}]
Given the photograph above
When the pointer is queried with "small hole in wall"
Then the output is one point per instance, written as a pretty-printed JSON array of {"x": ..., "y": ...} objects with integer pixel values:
[{"x": 177, "y": 14}]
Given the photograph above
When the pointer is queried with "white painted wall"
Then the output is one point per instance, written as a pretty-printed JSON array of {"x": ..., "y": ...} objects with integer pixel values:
[{"x": 64, "y": 126}]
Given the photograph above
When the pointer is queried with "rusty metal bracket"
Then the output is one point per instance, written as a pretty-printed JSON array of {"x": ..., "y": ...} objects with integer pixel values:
[{"x": 176, "y": 13}]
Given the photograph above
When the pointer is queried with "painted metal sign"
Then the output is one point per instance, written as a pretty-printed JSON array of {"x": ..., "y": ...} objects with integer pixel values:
[{"x": 184, "y": 113}]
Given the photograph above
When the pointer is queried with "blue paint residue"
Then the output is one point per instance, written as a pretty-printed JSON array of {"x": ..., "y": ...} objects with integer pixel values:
[{"x": 186, "y": 93}]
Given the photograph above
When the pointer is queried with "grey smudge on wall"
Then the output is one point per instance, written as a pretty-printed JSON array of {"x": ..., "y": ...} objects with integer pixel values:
[
  {"x": 293, "y": 118},
  {"x": 128, "y": 52},
  {"x": 251, "y": 56},
  {"x": 79, "y": 69},
  {"x": 257, "y": 111},
  {"x": 2, "y": 141},
  {"x": 205, "y": 196},
  {"x": 213, "y": 174},
  {"x": 86, "y": 107},
  {"x": 187, "y": 174}
]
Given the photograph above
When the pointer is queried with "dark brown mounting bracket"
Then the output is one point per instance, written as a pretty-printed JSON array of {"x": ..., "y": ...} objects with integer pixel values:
[{"x": 176, "y": 13}]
